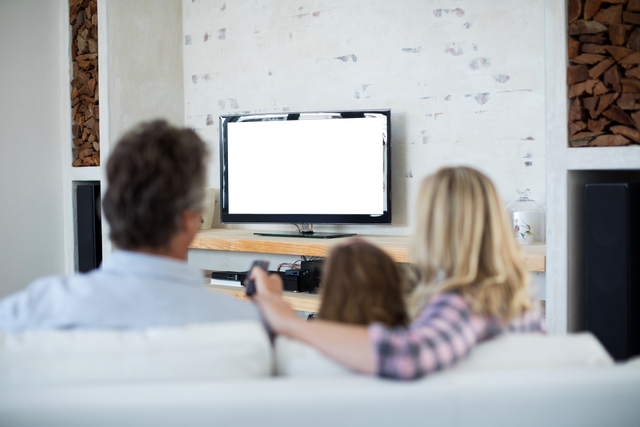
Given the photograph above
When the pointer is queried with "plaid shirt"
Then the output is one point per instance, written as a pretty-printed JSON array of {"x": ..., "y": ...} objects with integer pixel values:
[{"x": 443, "y": 334}]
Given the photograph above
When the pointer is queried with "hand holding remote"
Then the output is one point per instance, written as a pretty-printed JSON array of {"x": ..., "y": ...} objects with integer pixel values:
[
  {"x": 265, "y": 290},
  {"x": 251, "y": 283}
]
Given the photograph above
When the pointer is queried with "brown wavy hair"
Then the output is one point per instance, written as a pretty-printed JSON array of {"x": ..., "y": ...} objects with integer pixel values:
[
  {"x": 462, "y": 243},
  {"x": 362, "y": 284}
]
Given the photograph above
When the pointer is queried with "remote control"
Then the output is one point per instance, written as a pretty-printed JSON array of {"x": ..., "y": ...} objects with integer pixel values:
[{"x": 251, "y": 284}]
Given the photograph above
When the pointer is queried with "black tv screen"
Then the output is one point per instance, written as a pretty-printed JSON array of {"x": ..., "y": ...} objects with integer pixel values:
[{"x": 327, "y": 167}]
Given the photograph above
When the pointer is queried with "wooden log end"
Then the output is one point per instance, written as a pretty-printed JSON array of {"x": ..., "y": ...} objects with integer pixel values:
[
  {"x": 610, "y": 15},
  {"x": 575, "y": 10},
  {"x": 588, "y": 58},
  {"x": 591, "y": 8},
  {"x": 616, "y": 114},
  {"x": 574, "y": 47},
  {"x": 609, "y": 141},
  {"x": 626, "y": 131},
  {"x": 598, "y": 125},
  {"x": 584, "y": 26},
  {"x": 576, "y": 127},
  {"x": 577, "y": 74}
]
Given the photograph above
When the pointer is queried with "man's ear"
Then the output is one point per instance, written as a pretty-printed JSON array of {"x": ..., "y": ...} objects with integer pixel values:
[{"x": 191, "y": 220}]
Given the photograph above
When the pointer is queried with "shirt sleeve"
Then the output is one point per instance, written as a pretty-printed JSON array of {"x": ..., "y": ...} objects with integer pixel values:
[
  {"x": 530, "y": 321},
  {"x": 22, "y": 309},
  {"x": 444, "y": 333}
]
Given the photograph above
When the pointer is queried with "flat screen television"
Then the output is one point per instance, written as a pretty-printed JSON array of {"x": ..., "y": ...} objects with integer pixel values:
[{"x": 324, "y": 167}]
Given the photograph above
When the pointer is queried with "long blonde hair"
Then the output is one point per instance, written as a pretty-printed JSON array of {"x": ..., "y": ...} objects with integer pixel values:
[{"x": 462, "y": 244}]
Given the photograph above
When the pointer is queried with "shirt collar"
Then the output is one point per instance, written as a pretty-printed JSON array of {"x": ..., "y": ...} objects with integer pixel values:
[{"x": 131, "y": 263}]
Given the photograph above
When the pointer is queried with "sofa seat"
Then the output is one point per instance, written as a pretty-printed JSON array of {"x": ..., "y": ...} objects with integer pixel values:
[{"x": 592, "y": 396}]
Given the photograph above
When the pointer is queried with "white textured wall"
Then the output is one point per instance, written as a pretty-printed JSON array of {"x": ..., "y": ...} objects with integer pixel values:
[
  {"x": 464, "y": 79},
  {"x": 145, "y": 63},
  {"x": 31, "y": 236}
]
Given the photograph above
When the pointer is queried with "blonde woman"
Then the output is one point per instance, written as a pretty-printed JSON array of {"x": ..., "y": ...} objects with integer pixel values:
[{"x": 474, "y": 287}]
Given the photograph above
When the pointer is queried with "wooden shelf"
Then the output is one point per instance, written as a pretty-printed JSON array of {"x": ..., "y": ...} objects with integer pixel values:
[
  {"x": 298, "y": 301},
  {"x": 225, "y": 239}
]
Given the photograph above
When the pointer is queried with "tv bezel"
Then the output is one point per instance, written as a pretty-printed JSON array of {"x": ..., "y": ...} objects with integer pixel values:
[{"x": 230, "y": 218}]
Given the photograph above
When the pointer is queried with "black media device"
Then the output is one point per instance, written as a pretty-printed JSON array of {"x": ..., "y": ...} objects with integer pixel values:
[
  {"x": 290, "y": 282},
  {"x": 336, "y": 163},
  {"x": 310, "y": 276},
  {"x": 251, "y": 284},
  {"x": 612, "y": 266},
  {"x": 307, "y": 279},
  {"x": 232, "y": 276}
]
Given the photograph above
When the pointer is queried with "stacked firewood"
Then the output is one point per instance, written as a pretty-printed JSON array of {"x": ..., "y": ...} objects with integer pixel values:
[
  {"x": 85, "y": 111},
  {"x": 604, "y": 78}
]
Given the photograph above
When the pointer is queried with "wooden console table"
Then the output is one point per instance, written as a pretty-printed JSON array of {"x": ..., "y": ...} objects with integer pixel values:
[
  {"x": 225, "y": 239},
  {"x": 398, "y": 247},
  {"x": 299, "y": 301}
]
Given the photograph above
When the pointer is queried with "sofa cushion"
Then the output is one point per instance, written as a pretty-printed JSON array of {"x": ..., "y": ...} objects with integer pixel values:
[
  {"x": 508, "y": 351},
  {"x": 297, "y": 359},
  {"x": 633, "y": 363},
  {"x": 199, "y": 352},
  {"x": 516, "y": 351}
]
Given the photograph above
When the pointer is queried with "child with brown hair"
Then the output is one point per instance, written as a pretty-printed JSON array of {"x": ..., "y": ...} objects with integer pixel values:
[{"x": 361, "y": 284}]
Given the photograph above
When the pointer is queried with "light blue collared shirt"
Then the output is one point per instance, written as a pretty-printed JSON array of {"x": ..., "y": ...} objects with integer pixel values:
[{"x": 130, "y": 290}]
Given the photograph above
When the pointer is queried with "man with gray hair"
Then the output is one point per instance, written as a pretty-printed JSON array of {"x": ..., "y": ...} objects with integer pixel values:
[{"x": 156, "y": 177}]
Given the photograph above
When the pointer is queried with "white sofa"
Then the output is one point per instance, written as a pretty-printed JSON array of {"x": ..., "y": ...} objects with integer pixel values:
[{"x": 221, "y": 374}]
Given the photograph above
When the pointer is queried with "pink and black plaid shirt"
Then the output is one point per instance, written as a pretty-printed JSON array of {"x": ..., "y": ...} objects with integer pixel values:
[{"x": 444, "y": 333}]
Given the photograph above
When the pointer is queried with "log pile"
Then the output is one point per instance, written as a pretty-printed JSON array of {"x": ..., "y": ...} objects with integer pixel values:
[
  {"x": 85, "y": 108},
  {"x": 604, "y": 75}
]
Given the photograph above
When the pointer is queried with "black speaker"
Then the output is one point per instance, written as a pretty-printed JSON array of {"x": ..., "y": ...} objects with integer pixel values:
[
  {"x": 612, "y": 266},
  {"x": 89, "y": 227}
]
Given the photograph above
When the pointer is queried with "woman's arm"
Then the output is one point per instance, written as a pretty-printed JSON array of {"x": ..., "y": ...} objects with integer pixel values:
[
  {"x": 346, "y": 344},
  {"x": 439, "y": 338}
]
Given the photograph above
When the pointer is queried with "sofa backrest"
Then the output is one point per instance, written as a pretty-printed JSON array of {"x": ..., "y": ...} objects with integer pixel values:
[
  {"x": 199, "y": 352},
  {"x": 235, "y": 350},
  {"x": 522, "y": 351},
  {"x": 297, "y": 359},
  {"x": 508, "y": 351}
]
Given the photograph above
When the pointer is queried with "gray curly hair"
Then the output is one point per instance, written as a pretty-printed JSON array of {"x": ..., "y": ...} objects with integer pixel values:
[{"x": 155, "y": 173}]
